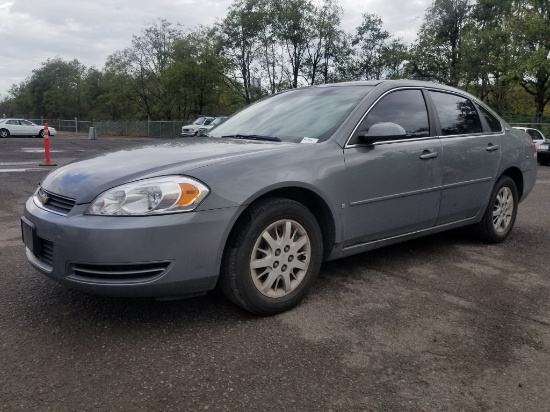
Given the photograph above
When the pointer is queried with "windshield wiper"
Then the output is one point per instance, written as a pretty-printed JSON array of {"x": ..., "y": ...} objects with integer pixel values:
[{"x": 254, "y": 137}]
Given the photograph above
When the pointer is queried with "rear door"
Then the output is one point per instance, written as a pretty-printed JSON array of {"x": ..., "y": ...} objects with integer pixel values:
[
  {"x": 470, "y": 156},
  {"x": 393, "y": 187},
  {"x": 29, "y": 128}
]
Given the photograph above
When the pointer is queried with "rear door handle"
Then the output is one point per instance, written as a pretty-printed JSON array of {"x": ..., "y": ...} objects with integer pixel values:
[
  {"x": 492, "y": 147},
  {"x": 428, "y": 154}
]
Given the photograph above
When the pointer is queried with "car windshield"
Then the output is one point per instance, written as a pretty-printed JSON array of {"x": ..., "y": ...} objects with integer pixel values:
[
  {"x": 217, "y": 120},
  {"x": 291, "y": 116},
  {"x": 200, "y": 120},
  {"x": 2, "y": 120}
]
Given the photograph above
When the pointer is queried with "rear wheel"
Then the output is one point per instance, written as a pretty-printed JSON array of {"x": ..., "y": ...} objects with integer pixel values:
[
  {"x": 500, "y": 215},
  {"x": 273, "y": 257},
  {"x": 4, "y": 133},
  {"x": 41, "y": 133}
]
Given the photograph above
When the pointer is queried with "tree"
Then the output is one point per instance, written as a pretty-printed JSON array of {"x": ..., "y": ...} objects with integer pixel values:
[
  {"x": 531, "y": 39},
  {"x": 487, "y": 63},
  {"x": 197, "y": 75},
  {"x": 370, "y": 41},
  {"x": 438, "y": 52},
  {"x": 145, "y": 62},
  {"x": 242, "y": 31},
  {"x": 55, "y": 90},
  {"x": 293, "y": 27},
  {"x": 322, "y": 47}
]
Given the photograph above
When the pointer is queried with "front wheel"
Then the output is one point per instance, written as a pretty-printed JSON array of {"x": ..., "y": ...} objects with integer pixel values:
[
  {"x": 273, "y": 257},
  {"x": 4, "y": 133},
  {"x": 500, "y": 215}
]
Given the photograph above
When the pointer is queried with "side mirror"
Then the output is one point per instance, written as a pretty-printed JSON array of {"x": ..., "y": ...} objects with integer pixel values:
[{"x": 380, "y": 132}]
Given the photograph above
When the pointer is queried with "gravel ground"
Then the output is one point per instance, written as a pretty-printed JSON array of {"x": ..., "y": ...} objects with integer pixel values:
[{"x": 436, "y": 324}]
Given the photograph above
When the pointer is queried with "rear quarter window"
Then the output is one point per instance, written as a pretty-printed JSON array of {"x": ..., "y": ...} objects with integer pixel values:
[{"x": 492, "y": 121}]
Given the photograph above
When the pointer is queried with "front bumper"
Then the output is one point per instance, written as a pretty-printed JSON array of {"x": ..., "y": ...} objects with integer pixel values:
[{"x": 153, "y": 256}]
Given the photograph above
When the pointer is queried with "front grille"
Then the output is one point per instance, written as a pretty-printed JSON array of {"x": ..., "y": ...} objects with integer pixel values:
[
  {"x": 45, "y": 253},
  {"x": 118, "y": 273},
  {"x": 55, "y": 203}
]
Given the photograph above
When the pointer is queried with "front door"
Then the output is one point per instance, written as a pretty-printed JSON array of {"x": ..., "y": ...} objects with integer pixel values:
[{"x": 393, "y": 187}]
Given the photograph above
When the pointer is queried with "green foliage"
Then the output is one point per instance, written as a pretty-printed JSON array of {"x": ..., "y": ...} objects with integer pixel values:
[
  {"x": 438, "y": 52},
  {"x": 497, "y": 49},
  {"x": 531, "y": 40}
]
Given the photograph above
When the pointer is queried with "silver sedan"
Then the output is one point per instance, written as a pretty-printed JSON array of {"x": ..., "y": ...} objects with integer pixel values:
[{"x": 305, "y": 176}]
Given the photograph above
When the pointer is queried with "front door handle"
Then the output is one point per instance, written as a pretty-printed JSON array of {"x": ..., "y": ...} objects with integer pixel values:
[
  {"x": 492, "y": 147},
  {"x": 428, "y": 154}
]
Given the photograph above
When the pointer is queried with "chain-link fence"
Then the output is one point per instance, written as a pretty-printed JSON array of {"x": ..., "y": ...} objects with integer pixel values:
[
  {"x": 61, "y": 125},
  {"x": 166, "y": 129},
  {"x": 146, "y": 128}
]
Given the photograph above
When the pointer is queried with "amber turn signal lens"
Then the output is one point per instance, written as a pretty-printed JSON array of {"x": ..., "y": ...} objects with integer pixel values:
[{"x": 188, "y": 194}]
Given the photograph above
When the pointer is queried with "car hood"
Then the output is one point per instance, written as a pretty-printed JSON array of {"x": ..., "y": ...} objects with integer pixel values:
[{"x": 85, "y": 179}]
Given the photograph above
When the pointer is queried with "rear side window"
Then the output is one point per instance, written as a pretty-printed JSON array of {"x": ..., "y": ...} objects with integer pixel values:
[
  {"x": 535, "y": 134},
  {"x": 407, "y": 108},
  {"x": 457, "y": 115},
  {"x": 492, "y": 121}
]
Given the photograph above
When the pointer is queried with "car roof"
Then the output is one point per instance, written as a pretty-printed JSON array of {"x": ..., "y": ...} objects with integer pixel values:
[{"x": 392, "y": 84}]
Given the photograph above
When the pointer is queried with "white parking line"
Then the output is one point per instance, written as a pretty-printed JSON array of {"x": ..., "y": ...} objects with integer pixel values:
[
  {"x": 17, "y": 163},
  {"x": 37, "y": 150},
  {"x": 23, "y": 170}
]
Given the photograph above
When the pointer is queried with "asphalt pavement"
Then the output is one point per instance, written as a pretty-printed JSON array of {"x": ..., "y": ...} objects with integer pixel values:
[{"x": 436, "y": 324}]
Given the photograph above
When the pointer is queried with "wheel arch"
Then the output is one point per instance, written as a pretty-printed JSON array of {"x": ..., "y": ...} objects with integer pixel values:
[
  {"x": 515, "y": 174},
  {"x": 307, "y": 197}
]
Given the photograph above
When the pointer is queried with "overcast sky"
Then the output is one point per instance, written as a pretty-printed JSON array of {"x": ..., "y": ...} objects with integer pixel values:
[{"x": 31, "y": 31}]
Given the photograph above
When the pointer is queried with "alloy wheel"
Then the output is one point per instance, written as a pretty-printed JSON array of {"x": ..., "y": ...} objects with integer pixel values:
[
  {"x": 503, "y": 209},
  {"x": 280, "y": 258}
]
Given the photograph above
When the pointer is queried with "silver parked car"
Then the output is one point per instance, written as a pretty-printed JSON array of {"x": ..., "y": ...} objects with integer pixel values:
[
  {"x": 305, "y": 176},
  {"x": 22, "y": 127}
]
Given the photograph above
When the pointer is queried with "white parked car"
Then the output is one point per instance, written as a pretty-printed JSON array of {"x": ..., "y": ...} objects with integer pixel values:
[
  {"x": 21, "y": 127},
  {"x": 193, "y": 129},
  {"x": 203, "y": 130},
  {"x": 535, "y": 134}
]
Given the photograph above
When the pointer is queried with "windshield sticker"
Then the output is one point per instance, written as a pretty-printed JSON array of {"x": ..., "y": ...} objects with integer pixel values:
[{"x": 309, "y": 140}]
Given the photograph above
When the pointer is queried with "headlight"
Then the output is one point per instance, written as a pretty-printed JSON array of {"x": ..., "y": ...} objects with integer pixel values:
[{"x": 160, "y": 195}]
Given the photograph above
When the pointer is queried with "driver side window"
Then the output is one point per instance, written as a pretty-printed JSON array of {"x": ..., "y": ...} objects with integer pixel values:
[{"x": 406, "y": 108}]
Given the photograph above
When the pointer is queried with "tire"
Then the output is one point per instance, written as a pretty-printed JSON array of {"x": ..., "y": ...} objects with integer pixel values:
[
  {"x": 4, "y": 133},
  {"x": 273, "y": 257},
  {"x": 41, "y": 133},
  {"x": 500, "y": 215}
]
